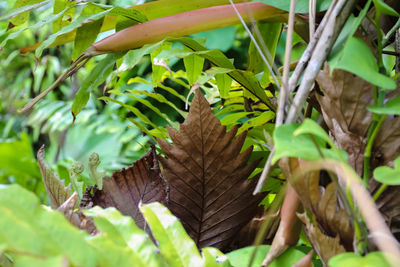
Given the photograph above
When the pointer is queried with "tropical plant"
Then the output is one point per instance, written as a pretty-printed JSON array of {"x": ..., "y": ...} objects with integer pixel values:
[{"x": 305, "y": 143}]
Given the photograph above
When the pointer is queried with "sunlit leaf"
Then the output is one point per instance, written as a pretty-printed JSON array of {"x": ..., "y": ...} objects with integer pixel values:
[
  {"x": 383, "y": 8},
  {"x": 125, "y": 233},
  {"x": 287, "y": 144},
  {"x": 357, "y": 58},
  {"x": 351, "y": 259},
  {"x": 241, "y": 257},
  {"x": 387, "y": 175},
  {"x": 174, "y": 243},
  {"x": 391, "y": 107},
  {"x": 97, "y": 76}
]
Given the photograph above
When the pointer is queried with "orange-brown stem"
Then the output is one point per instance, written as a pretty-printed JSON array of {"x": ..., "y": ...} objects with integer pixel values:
[{"x": 185, "y": 23}]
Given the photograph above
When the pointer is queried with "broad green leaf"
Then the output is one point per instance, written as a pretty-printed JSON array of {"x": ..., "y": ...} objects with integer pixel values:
[
  {"x": 217, "y": 58},
  {"x": 78, "y": 22},
  {"x": 246, "y": 79},
  {"x": 133, "y": 57},
  {"x": 157, "y": 69},
  {"x": 265, "y": 117},
  {"x": 20, "y": 13},
  {"x": 391, "y": 107},
  {"x": 358, "y": 59},
  {"x": 214, "y": 258},
  {"x": 174, "y": 243},
  {"x": 383, "y": 8},
  {"x": 351, "y": 259},
  {"x": 152, "y": 10},
  {"x": 214, "y": 40},
  {"x": 36, "y": 26},
  {"x": 301, "y": 5},
  {"x": 112, "y": 254},
  {"x": 59, "y": 6},
  {"x": 194, "y": 67},
  {"x": 387, "y": 175},
  {"x": 28, "y": 227},
  {"x": 97, "y": 76},
  {"x": 123, "y": 232},
  {"x": 241, "y": 257},
  {"x": 56, "y": 261},
  {"x": 270, "y": 33},
  {"x": 17, "y": 158},
  {"x": 287, "y": 144},
  {"x": 311, "y": 127},
  {"x": 234, "y": 117},
  {"x": 87, "y": 33},
  {"x": 347, "y": 32},
  {"x": 224, "y": 83},
  {"x": 22, "y": 8}
]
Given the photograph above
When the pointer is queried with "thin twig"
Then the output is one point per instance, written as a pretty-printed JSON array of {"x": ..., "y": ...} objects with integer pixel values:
[
  {"x": 286, "y": 66},
  {"x": 80, "y": 62},
  {"x": 309, "y": 50},
  {"x": 323, "y": 47},
  {"x": 256, "y": 44},
  {"x": 312, "y": 10},
  {"x": 390, "y": 33},
  {"x": 315, "y": 55}
]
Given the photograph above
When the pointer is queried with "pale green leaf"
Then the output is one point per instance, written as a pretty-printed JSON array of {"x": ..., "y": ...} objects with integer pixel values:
[
  {"x": 241, "y": 257},
  {"x": 97, "y": 76},
  {"x": 300, "y": 146},
  {"x": 194, "y": 67},
  {"x": 383, "y": 8},
  {"x": 391, "y": 107},
  {"x": 174, "y": 243},
  {"x": 21, "y": 10},
  {"x": 351, "y": 259},
  {"x": 387, "y": 175},
  {"x": 224, "y": 83},
  {"x": 20, "y": 13},
  {"x": 214, "y": 258},
  {"x": 311, "y": 127},
  {"x": 123, "y": 232},
  {"x": 270, "y": 33},
  {"x": 36, "y": 26},
  {"x": 262, "y": 119},
  {"x": 358, "y": 59}
]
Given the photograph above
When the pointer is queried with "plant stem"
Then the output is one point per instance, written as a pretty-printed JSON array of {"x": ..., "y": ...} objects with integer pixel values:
[
  {"x": 379, "y": 192},
  {"x": 368, "y": 149}
]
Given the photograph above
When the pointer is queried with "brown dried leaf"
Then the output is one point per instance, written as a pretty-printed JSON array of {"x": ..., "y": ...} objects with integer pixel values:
[
  {"x": 321, "y": 202},
  {"x": 77, "y": 218},
  {"x": 246, "y": 236},
  {"x": 289, "y": 228},
  {"x": 207, "y": 174},
  {"x": 306, "y": 261},
  {"x": 55, "y": 187},
  {"x": 325, "y": 246},
  {"x": 343, "y": 106},
  {"x": 127, "y": 189}
]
